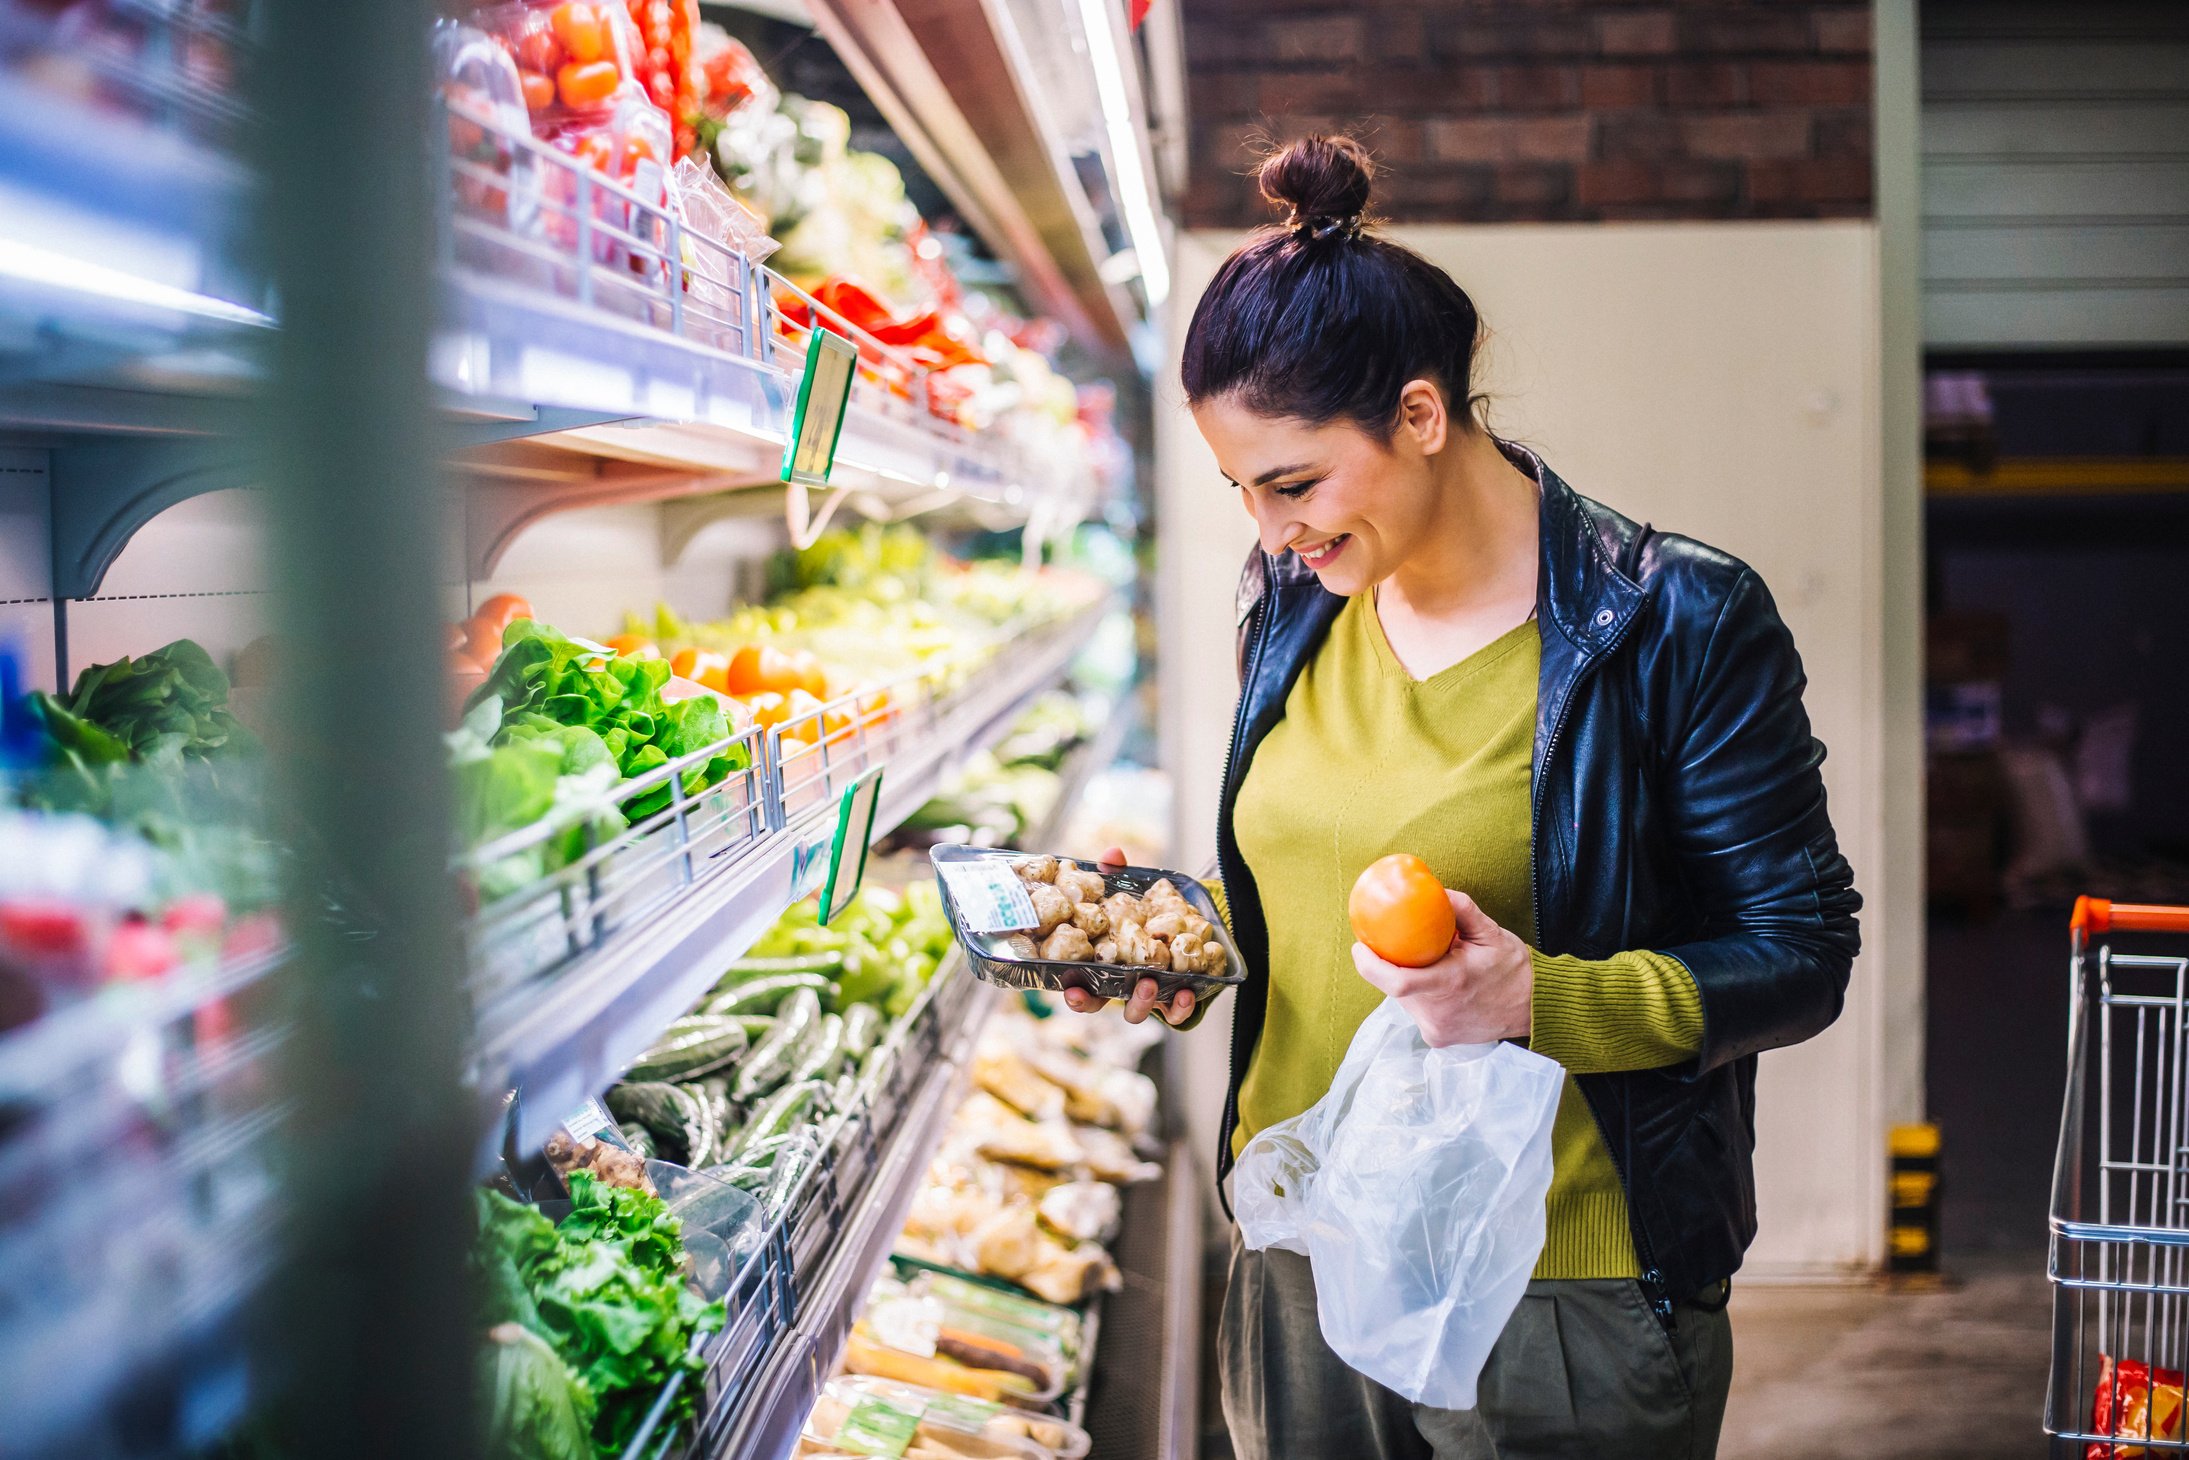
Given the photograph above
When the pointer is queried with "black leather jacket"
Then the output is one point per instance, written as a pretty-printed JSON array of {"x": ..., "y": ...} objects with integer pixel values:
[{"x": 1677, "y": 807}]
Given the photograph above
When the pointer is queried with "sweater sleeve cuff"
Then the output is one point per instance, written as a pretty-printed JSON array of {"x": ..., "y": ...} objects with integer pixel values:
[{"x": 1633, "y": 1011}]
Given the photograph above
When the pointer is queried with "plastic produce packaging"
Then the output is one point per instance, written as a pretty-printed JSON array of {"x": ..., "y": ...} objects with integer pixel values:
[
  {"x": 1415, "y": 1187},
  {"x": 854, "y": 1410}
]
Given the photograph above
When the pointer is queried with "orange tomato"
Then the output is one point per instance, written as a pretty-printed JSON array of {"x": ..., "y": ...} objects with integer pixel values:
[
  {"x": 812, "y": 678},
  {"x": 701, "y": 666},
  {"x": 586, "y": 84},
  {"x": 1399, "y": 909},
  {"x": 482, "y": 642},
  {"x": 500, "y": 611},
  {"x": 455, "y": 635},
  {"x": 768, "y": 710},
  {"x": 633, "y": 646},
  {"x": 799, "y": 706},
  {"x": 762, "y": 668},
  {"x": 539, "y": 91},
  {"x": 582, "y": 29}
]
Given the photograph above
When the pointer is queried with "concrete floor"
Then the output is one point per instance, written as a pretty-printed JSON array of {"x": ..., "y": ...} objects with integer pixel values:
[
  {"x": 1824, "y": 1373},
  {"x": 1872, "y": 1372}
]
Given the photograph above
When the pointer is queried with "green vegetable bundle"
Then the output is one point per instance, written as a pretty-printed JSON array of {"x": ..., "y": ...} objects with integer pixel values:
[
  {"x": 150, "y": 743},
  {"x": 606, "y": 1291},
  {"x": 890, "y": 945},
  {"x": 550, "y": 686}
]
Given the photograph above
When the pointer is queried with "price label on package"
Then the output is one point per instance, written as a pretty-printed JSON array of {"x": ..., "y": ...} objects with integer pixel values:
[{"x": 988, "y": 895}]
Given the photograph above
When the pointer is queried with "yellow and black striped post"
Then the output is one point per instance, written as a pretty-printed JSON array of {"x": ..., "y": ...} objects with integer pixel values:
[{"x": 1912, "y": 1229}]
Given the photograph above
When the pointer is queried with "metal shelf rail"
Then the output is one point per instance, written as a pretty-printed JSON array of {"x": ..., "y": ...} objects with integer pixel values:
[{"x": 575, "y": 974}]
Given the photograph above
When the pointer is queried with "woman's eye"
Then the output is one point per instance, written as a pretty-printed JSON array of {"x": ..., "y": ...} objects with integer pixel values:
[{"x": 1296, "y": 489}]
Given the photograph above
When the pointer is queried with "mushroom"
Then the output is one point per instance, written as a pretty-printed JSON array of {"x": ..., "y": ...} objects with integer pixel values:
[
  {"x": 1068, "y": 945},
  {"x": 1021, "y": 946},
  {"x": 1078, "y": 883},
  {"x": 1090, "y": 919},
  {"x": 1051, "y": 907},
  {"x": 1105, "y": 950},
  {"x": 1165, "y": 924},
  {"x": 1036, "y": 869}
]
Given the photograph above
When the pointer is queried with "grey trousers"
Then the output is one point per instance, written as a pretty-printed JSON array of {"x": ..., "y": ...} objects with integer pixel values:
[{"x": 1582, "y": 1370}]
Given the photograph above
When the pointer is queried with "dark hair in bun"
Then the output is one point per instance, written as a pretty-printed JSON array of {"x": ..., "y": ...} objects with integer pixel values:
[
  {"x": 1318, "y": 320},
  {"x": 1322, "y": 181}
]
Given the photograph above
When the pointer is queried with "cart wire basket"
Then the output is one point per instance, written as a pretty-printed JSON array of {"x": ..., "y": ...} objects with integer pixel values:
[{"x": 2119, "y": 1251}]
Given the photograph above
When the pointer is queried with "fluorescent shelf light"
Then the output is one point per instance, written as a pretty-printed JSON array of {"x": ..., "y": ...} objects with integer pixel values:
[
  {"x": 1134, "y": 194},
  {"x": 32, "y": 265}
]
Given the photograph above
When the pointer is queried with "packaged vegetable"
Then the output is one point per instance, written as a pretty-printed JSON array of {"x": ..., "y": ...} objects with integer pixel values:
[
  {"x": 574, "y": 58},
  {"x": 924, "y": 1324},
  {"x": 895, "y": 1420},
  {"x": 944, "y": 1417}
]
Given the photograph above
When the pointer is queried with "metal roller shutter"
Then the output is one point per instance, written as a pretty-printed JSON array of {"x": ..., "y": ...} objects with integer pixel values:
[{"x": 2055, "y": 173}]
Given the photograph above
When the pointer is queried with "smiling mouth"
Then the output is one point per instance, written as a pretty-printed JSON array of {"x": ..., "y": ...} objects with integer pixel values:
[{"x": 1322, "y": 554}]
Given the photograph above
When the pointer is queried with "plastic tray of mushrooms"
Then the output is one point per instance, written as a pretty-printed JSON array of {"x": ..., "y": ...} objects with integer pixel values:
[{"x": 1088, "y": 929}]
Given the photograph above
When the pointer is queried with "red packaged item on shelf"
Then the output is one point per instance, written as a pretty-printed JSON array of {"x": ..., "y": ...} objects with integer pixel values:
[
  {"x": 495, "y": 177},
  {"x": 2133, "y": 1402},
  {"x": 575, "y": 58},
  {"x": 629, "y": 147},
  {"x": 664, "y": 61}
]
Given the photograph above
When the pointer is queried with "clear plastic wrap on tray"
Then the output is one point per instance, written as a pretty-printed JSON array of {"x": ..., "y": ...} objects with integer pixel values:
[
  {"x": 1044, "y": 922},
  {"x": 854, "y": 1406}
]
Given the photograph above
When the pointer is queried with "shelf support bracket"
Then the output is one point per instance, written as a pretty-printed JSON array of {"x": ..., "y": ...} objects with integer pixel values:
[{"x": 104, "y": 491}]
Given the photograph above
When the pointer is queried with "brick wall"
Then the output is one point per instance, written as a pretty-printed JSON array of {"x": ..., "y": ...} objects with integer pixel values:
[{"x": 1495, "y": 111}]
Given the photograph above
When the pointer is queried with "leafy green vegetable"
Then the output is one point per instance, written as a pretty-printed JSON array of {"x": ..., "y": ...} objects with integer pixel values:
[
  {"x": 599, "y": 708},
  {"x": 150, "y": 743},
  {"x": 606, "y": 1289},
  {"x": 536, "y": 1408}
]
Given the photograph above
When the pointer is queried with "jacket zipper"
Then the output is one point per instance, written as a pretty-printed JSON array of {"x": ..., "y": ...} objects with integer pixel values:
[
  {"x": 1223, "y": 883},
  {"x": 1653, "y": 1280}
]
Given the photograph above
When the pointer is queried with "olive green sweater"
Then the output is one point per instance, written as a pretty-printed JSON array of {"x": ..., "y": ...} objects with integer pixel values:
[{"x": 1368, "y": 760}]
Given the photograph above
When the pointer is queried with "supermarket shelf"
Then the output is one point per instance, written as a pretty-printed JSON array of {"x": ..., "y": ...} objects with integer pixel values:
[
  {"x": 126, "y": 1278},
  {"x": 954, "y": 83},
  {"x": 762, "y": 1420},
  {"x": 655, "y": 916}
]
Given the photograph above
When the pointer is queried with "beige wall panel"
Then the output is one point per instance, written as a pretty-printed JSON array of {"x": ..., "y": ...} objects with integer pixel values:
[{"x": 1718, "y": 380}]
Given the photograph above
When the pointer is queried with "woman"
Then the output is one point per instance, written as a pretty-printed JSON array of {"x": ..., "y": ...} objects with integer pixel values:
[{"x": 1594, "y": 734}]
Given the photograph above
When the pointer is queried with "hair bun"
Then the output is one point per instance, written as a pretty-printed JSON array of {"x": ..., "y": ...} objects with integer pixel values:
[{"x": 1323, "y": 181}]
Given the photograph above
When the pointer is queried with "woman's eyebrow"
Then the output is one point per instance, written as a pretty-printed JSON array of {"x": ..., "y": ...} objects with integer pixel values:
[{"x": 1280, "y": 471}]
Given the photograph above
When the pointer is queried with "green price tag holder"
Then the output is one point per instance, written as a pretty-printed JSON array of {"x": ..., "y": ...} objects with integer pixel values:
[
  {"x": 824, "y": 392},
  {"x": 847, "y": 849}
]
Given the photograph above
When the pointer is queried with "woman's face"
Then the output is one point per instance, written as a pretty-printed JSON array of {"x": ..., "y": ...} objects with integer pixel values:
[{"x": 1350, "y": 505}]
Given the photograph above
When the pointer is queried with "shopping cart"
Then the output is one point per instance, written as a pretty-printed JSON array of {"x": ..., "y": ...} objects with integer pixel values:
[{"x": 2119, "y": 1259}]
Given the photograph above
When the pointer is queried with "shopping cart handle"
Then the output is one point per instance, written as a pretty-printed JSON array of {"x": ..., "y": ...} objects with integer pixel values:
[{"x": 2103, "y": 915}]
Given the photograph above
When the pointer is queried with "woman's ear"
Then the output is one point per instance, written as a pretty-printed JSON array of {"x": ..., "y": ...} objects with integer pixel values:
[{"x": 1424, "y": 416}]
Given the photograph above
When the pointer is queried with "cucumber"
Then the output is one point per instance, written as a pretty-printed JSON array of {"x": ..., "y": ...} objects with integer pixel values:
[
  {"x": 756, "y": 1025},
  {"x": 828, "y": 965},
  {"x": 693, "y": 1046},
  {"x": 821, "y": 1052},
  {"x": 781, "y": 1112},
  {"x": 768, "y": 995},
  {"x": 844, "y": 1092},
  {"x": 772, "y": 1059},
  {"x": 706, "y": 1134},
  {"x": 673, "y": 1115},
  {"x": 862, "y": 1028},
  {"x": 639, "y": 1139}
]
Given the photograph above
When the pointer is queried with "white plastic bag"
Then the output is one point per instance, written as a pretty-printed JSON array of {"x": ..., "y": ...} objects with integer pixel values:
[{"x": 1415, "y": 1187}]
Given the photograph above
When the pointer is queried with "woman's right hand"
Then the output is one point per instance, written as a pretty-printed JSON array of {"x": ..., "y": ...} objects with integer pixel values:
[{"x": 1177, "y": 1010}]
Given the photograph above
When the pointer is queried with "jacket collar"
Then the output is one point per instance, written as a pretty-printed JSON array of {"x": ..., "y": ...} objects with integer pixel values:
[{"x": 1584, "y": 588}]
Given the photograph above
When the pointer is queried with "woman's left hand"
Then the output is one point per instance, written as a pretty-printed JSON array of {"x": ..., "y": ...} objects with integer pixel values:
[{"x": 1480, "y": 992}]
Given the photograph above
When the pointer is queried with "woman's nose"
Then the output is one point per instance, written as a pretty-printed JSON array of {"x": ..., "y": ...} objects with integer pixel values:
[{"x": 1275, "y": 528}]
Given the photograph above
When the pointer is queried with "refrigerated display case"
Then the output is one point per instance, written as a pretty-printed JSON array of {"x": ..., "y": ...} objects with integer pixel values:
[{"x": 610, "y": 387}]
